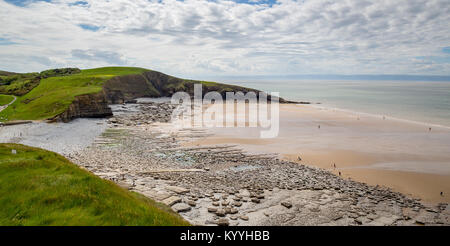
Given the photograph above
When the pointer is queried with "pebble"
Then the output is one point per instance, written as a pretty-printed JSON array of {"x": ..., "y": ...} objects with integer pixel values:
[
  {"x": 244, "y": 217},
  {"x": 223, "y": 222},
  {"x": 237, "y": 204},
  {"x": 286, "y": 204},
  {"x": 220, "y": 212},
  {"x": 255, "y": 200}
]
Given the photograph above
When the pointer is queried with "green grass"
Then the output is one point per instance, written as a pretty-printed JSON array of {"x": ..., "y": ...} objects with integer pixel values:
[
  {"x": 53, "y": 95},
  {"x": 5, "y": 99},
  {"x": 39, "y": 187},
  {"x": 18, "y": 84},
  {"x": 50, "y": 92}
]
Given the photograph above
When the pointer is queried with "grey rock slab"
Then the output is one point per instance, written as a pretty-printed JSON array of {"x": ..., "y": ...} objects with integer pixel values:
[
  {"x": 181, "y": 207},
  {"x": 171, "y": 200},
  {"x": 384, "y": 221},
  {"x": 178, "y": 190},
  {"x": 425, "y": 217},
  {"x": 159, "y": 196}
]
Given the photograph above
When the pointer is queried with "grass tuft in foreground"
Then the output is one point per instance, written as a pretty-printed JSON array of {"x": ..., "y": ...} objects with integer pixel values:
[{"x": 39, "y": 187}]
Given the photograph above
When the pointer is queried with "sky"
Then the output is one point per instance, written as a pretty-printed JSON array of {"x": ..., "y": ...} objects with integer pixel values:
[{"x": 198, "y": 38}]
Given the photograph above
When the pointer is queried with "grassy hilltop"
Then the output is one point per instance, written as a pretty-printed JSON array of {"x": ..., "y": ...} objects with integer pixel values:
[
  {"x": 54, "y": 94},
  {"x": 39, "y": 187},
  {"x": 49, "y": 93}
]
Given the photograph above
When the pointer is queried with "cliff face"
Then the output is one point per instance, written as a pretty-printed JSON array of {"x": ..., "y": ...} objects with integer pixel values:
[
  {"x": 86, "y": 106},
  {"x": 155, "y": 84},
  {"x": 121, "y": 89}
]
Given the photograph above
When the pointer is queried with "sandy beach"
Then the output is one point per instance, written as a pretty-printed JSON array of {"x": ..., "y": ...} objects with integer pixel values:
[
  {"x": 239, "y": 179},
  {"x": 405, "y": 156}
]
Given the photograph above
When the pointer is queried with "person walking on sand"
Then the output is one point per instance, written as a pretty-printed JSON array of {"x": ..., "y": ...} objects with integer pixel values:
[
  {"x": 339, "y": 173},
  {"x": 442, "y": 193},
  {"x": 429, "y": 129},
  {"x": 318, "y": 126}
]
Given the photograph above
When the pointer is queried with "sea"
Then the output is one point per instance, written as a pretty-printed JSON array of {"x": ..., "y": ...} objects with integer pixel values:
[{"x": 425, "y": 102}]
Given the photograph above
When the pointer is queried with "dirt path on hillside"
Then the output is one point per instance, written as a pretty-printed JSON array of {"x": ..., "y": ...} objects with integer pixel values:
[{"x": 5, "y": 106}]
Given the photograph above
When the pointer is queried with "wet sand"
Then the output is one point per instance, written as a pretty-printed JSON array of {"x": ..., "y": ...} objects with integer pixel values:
[{"x": 377, "y": 150}]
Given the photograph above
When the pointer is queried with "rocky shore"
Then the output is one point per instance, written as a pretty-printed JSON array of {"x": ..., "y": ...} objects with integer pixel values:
[{"x": 222, "y": 185}]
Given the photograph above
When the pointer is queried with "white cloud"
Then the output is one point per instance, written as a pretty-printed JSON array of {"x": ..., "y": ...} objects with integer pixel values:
[{"x": 194, "y": 37}]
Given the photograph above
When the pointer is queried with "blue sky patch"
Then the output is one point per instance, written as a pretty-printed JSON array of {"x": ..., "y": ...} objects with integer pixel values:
[
  {"x": 79, "y": 3},
  {"x": 89, "y": 27},
  {"x": 254, "y": 2},
  {"x": 4, "y": 41},
  {"x": 23, "y": 3}
]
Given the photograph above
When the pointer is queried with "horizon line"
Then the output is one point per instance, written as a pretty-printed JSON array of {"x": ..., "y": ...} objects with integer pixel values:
[{"x": 396, "y": 77}]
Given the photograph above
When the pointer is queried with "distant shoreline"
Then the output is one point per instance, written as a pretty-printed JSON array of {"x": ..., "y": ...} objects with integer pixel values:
[
  {"x": 337, "y": 77},
  {"x": 426, "y": 124}
]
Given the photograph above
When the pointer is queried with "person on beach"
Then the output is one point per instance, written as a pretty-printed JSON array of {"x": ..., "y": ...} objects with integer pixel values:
[
  {"x": 429, "y": 129},
  {"x": 334, "y": 165},
  {"x": 442, "y": 193},
  {"x": 339, "y": 173},
  {"x": 318, "y": 126}
]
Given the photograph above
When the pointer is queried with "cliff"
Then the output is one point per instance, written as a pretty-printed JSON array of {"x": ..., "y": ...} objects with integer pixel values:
[
  {"x": 86, "y": 106},
  {"x": 121, "y": 89},
  {"x": 155, "y": 84}
]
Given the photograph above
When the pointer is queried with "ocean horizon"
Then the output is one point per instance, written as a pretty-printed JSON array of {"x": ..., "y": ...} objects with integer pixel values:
[{"x": 426, "y": 102}]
